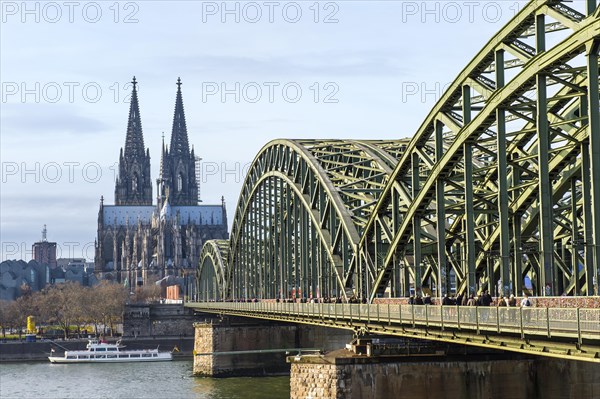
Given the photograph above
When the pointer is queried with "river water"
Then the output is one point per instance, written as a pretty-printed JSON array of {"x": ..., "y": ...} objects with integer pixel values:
[{"x": 131, "y": 381}]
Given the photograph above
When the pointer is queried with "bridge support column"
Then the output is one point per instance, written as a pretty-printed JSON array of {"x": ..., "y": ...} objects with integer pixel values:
[
  {"x": 247, "y": 347},
  {"x": 252, "y": 341},
  {"x": 204, "y": 342},
  {"x": 344, "y": 376}
]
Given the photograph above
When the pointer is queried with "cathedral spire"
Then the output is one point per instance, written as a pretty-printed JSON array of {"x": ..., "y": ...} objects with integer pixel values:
[
  {"x": 162, "y": 157},
  {"x": 179, "y": 137},
  {"x": 178, "y": 164},
  {"x": 134, "y": 143},
  {"x": 133, "y": 185}
]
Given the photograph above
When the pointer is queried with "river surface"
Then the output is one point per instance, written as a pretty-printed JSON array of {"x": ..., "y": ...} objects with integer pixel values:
[{"x": 129, "y": 380}]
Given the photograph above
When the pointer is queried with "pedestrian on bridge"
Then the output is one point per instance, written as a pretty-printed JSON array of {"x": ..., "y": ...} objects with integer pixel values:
[
  {"x": 512, "y": 303},
  {"x": 525, "y": 302},
  {"x": 501, "y": 303},
  {"x": 486, "y": 298},
  {"x": 525, "y": 305},
  {"x": 459, "y": 299},
  {"x": 471, "y": 301},
  {"x": 446, "y": 301},
  {"x": 427, "y": 299}
]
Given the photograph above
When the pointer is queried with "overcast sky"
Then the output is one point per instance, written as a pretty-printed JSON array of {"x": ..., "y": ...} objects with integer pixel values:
[{"x": 251, "y": 72}]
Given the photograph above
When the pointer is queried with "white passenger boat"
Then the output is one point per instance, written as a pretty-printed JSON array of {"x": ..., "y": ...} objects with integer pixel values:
[{"x": 104, "y": 352}]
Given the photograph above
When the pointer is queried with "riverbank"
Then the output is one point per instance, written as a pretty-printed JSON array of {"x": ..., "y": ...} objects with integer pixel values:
[{"x": 21, "y": 351}]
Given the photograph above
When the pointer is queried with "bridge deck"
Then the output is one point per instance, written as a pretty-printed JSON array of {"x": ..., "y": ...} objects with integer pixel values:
[{"x": 572, "y": 333}]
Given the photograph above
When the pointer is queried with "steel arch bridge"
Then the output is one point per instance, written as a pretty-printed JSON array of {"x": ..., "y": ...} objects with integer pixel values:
[{"x": 500, "y": 184}]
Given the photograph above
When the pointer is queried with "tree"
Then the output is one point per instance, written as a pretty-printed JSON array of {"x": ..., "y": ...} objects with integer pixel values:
[
  {"x": 86, "y": 302},
  {"x": 111, "y": 298},
  {"x": 91, "y": 304},
  {"x": 61, "y": 305},
  {"x": 6, "y": 315},
  {"x": 13, "y": 316},
  {"x": 69, "y": 304}
]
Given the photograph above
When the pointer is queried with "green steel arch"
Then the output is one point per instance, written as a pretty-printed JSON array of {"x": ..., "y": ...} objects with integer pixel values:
[
  {"x": 504, "y": 173},
  {"x": 210, "y": 276},
  {"x": 499, "y": 185},
  {"x": 300, "y": 216}
]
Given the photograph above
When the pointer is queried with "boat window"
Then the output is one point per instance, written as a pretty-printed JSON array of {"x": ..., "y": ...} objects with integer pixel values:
[
  {"x": 83, "y": 356},
  {"x": 154, "y": 355},
  {"x": 135, "y": 355},
  {"x": 111, "y": 349},
  {"x": 146, "y": 355},
  {"x": 71, "y": 357},
  {"x": 101, "y": 349},
  {"x": 111, "y": 356},
  {"x": 100, "y": 356}
]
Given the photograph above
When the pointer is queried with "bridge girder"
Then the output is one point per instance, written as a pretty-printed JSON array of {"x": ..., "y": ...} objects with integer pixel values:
[
  {"x": 509, "y": 149},
  {"x": 212, "y": 269},
  {"x": 300, "y": 215},
  {"x": 500, "y": 183}
]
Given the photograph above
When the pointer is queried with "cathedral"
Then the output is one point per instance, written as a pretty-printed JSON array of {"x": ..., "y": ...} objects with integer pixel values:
[{"x": 139, "y": 242}]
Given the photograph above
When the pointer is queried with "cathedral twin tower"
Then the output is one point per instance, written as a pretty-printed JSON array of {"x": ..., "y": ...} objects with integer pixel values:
[
  {"x": 138, "y": 241},
  {"x": 177, "y": 164}
]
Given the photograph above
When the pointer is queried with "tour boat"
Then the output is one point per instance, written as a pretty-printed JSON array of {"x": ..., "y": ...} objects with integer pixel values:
[{"x": 104, "y": 352}]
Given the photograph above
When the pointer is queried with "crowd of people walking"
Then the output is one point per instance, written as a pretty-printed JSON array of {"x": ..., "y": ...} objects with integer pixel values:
[{"x": 483, "y": 299}]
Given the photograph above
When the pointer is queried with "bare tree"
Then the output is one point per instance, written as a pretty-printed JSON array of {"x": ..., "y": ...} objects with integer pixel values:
[
  {"x": 15, "y": 315},
  {"x": 84, "y": 308},
  {"x": 91, "y": 305},
  {"x": 60, "y": 304},
  {"x": 71, "y": 304},
  {"x": 111, "y": 298},
  {"x": 7, "y": 315}
]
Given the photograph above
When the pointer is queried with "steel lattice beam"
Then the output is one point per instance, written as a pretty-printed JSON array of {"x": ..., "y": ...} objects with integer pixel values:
[
  {"x": 300, "y": 216},
  {"x": 540, "y": 117},
  {"x": 501, "y": 182},
  {"x": 212, "y": 270}
]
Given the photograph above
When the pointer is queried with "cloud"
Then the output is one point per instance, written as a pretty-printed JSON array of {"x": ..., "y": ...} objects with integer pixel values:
[{"x": 41, "y": 119}]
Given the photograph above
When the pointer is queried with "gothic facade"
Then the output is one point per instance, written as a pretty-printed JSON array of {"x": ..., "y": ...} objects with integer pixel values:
[{"x": 138, "y": 241}]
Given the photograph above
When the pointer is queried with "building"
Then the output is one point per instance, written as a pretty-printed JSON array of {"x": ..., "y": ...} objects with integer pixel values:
[
  {"x": 44, "y": 252},
  {"x": 137, "y": 241},
  {"x": 73, "y": 269},
  {"x": 17, "y": 274},
  {"x": 43, "y": 269}
]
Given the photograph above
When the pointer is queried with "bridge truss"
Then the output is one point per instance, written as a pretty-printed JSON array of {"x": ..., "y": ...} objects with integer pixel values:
[{"x": 500, "y": 183}]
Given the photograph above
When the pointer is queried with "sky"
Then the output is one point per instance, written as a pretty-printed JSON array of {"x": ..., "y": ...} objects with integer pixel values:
[{"x": 252, "y": 72}]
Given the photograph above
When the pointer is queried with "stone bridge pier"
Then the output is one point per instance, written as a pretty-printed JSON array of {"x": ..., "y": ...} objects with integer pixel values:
[
  {"x": 345, "y": 374},
  {"x": 381, "y": 366},
  {"x": 235, "y": 346}
]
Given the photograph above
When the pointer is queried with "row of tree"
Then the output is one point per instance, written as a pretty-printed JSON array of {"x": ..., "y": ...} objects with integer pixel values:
[{"x": 72, "y": 305}]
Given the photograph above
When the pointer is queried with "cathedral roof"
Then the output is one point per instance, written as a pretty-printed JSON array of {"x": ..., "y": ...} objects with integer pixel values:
[
  {"x": 210, "y": 215},
  {"x": 123, "y": 213},
  {"x": 200, "y": 214}
]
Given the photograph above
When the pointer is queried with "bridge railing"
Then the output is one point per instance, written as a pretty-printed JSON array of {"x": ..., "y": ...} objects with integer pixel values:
[{"x": 548, "y": 322}]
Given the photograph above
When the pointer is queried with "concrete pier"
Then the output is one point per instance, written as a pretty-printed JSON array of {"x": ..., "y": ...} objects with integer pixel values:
[
  {"x": 342, "y": 374},
  {"x": 231, "y": 334}
]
